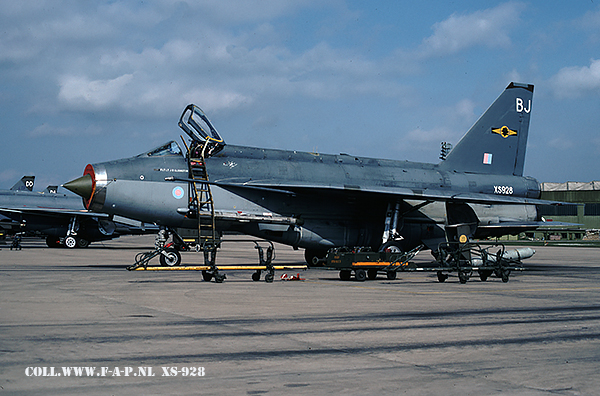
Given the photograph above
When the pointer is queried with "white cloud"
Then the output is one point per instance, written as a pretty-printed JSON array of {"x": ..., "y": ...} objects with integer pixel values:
[
  {"x": 49, "y": 130},
  {"x": 590, "y": 20},
  {"x": 82, "y": 93},
  {"x": 236, "y": 11},
  {"x": 118, "y": 56},
  {"x": 514, "y": 76},
  {"x": 560, "y": 144},
  {"x": 216, "y": 99},
  {"x": 572, "y": 82},
  {"x": 142, "y": 95},
  {"x": 465, "y": 109},
  {"x": 489, "y": 28},
  {"x": 427, "y": 138}
]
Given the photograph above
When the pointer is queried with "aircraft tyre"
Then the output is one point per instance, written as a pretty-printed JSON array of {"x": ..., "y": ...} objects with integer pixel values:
[
  {"x": 170, "y": 258},
  {"x": 360, "y": 275},
  {"x": 256, "y": 276},
  {"x": 82, "y": 243},
  {"x": 505, "y": 275},
  {"x": 269, "y": 278},
  {"x": 345, "y": 275},
  {"x": 70, "y": 242},
  {"x": 219, "y": 278},
  {"x": 207, "y": 276},
  {"x": 484, "y": 274},
  {"x": 442, "y": 277},
  {"x": 52, "y": 241},
  {"x": 391, "y": 275},
  {"x": 372, "y": 273},
  {"x": 392, "y": 247}
]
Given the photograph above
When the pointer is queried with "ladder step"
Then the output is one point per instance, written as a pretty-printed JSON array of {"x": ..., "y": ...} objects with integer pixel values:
[{"x": 203, "y": 204}]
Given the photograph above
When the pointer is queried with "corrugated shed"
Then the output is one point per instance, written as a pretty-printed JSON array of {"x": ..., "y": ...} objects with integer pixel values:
[{"x": 571, "y": 186}]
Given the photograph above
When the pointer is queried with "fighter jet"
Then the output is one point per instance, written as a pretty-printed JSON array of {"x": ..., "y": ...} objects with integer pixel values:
[
  {"x": 320, "y": 201},
  {"x": 62, "y": 218}
]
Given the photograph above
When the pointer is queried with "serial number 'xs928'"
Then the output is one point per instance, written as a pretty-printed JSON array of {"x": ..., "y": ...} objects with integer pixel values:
[{"x": 504, "y": 190}]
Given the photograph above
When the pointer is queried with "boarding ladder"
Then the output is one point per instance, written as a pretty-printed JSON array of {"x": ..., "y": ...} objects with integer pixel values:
[
  {"x": 206, "y": 142},
  {"x": 201, "y": 201}
]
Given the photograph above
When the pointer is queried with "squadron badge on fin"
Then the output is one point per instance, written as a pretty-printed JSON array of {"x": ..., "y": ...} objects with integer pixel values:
[{"x": 504, "y": 131}]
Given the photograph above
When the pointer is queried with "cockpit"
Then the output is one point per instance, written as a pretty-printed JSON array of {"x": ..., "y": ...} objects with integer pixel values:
[
  {"x": 170, "y": 148},
  {"x": 205, "y": 140}
]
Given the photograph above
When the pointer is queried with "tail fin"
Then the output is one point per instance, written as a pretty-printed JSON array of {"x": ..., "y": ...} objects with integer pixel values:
[
  {"x": 51, "y": 189},
  {"x": 25, "y": 184},
  {"x": 496, "y": 143}
]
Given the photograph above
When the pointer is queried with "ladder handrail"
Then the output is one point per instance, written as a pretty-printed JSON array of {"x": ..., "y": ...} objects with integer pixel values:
[{"x": 203, "y": 197}]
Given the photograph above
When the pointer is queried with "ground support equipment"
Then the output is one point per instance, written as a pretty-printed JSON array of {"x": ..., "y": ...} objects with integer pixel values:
[
  {"x": 462, "y": 258},
  {"x": 470, "y": 257},
  {"x": 365, "y": 263},
  {"x": 210, "y": 270}
]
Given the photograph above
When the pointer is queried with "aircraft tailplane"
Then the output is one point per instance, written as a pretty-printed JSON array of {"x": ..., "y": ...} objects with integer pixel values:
[{"x": 497, "y": 142}]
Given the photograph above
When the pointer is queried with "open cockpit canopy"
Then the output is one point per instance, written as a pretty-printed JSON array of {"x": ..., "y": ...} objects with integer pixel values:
[{"x": 197, "y": 126}]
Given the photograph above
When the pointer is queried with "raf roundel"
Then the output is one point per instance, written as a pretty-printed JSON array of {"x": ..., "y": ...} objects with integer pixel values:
[{"x": 178, "y": 192}]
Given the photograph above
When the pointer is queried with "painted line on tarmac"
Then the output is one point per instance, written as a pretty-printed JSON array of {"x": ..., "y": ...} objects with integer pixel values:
[{"x": 541, "y": 289}]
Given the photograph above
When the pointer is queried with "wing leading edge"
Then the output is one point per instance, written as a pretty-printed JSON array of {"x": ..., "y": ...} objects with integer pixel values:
[
  {"x": 54, "y": 212},
  {"x": 396, "y": 192}
]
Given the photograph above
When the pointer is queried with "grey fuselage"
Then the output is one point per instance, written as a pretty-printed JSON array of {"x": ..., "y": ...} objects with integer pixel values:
[
  {"x": 40, "y": 200},
  {"x": 51, "y": 213},
  {"x": 47, "y": 225},
  {"x": 335, "y": 200}
]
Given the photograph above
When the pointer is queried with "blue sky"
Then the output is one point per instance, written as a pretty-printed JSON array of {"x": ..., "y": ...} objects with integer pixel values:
[{"x": 85, "y": 82}]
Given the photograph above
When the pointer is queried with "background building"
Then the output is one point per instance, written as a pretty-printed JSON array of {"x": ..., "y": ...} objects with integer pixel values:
[{"x": 587, "y": 214}]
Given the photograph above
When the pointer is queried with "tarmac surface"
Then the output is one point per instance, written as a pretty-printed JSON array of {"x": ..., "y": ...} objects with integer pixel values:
[{"x": 538, "y": 334}]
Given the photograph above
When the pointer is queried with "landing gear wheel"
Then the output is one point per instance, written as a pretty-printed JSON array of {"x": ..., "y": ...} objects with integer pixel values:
[
  {"x": 484, "y": 274},
  {"x": 256, "y": 276},
  {"x": 463, "y": 277},
  {"x": 372, "y": 274},
  {"x": 170, "y": 258},
  {"x": 82, "y": 243},
  {"x": 269, "y": 278},
  {"x": 391, "y": 275},
  {"x": 392, "y": 247},
  {"x": 52, "y": 241},
  {"x": 345, "y": 275},
  {"x": 70, "y": 242},
  {"x": 219, "y": 278},
  {"x": 360, "y": 275},
  {"x": 207, "y": 276},
  {"x": 442, "y": 277},
  {"x": 505, "y": 275}
]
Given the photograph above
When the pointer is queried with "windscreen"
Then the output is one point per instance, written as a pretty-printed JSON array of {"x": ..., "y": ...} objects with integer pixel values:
[{"x": 171, "y": 148}]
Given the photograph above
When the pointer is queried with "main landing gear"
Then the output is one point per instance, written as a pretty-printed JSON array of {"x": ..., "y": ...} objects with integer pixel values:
[{"x": 70, "y": 242}]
